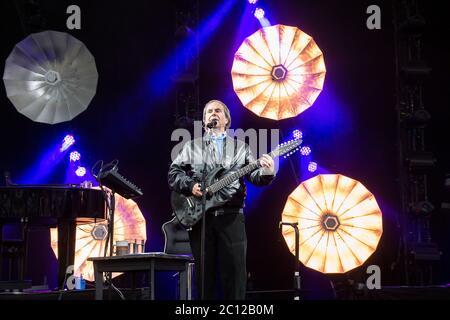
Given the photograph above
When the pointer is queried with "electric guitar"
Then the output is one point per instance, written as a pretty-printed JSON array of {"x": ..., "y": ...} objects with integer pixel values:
[{"x": 188, "y": 209}]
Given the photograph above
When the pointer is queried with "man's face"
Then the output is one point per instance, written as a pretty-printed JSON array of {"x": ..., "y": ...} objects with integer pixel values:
[{"x": 214, "y": 111}]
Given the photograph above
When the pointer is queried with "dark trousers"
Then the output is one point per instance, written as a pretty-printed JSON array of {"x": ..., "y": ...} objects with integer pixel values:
[{"x": 226, "y": 249}]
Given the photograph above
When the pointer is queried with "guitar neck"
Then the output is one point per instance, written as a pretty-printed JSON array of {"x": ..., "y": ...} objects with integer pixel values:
[{"x": 222, "y": 183}]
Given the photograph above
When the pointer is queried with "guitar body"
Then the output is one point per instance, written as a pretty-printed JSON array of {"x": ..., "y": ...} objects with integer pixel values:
[{"x": 188, "y": 209}]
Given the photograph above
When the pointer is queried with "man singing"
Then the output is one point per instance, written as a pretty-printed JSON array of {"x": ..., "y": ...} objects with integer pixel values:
[{"x": 225, "y": 236}]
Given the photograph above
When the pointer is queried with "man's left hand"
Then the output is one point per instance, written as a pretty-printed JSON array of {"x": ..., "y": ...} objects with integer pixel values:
[{"x": 267, "y": 164}]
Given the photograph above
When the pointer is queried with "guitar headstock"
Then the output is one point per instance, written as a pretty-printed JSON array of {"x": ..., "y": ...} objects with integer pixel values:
[{"x": 286, "y": 148}]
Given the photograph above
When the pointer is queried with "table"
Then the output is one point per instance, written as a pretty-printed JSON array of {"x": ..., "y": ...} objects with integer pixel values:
[{"x": 149, "y": 261}]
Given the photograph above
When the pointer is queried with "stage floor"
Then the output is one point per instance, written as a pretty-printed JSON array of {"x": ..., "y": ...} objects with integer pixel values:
[{"x": 385, "y": 293}]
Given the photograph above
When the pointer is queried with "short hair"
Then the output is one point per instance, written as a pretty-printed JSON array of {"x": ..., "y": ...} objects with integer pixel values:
[{"x": 225, "y": 110}]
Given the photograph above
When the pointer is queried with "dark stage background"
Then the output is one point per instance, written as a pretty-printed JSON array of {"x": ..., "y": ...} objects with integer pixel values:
[{"x": 351, "y": 127}]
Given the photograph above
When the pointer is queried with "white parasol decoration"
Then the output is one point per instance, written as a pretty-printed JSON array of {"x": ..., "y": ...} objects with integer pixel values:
[{"x": 50, "y": 77}]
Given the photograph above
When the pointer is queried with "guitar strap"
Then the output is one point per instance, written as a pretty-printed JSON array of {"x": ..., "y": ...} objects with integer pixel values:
[
  {"x": 212, "y": 149},
  {"x": 225, "y": 153},
  {"x": 223, "y": 159},
  {"x": 213, "y": 153},
  {"x": 225, "y": 149}
]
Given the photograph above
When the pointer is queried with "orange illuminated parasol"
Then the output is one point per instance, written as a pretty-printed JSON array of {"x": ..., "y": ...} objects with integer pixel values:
[
  {"x": 339, "y": 221},
  {"x": 129, "y": 225},
  {"x": 278, "y": 72}
]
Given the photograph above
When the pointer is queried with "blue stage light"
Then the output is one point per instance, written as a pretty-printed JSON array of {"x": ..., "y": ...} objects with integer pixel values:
[
  {"x": 81, "y": 171},
  {"x": 75, "y": 156},
  {"x": 297, "y": 134},
  {"x": 259, "y": 13},
  {"x": 312, "y": 166},
  {"x": 305, "y": 151},
  {"x": 68, "y": 141}
]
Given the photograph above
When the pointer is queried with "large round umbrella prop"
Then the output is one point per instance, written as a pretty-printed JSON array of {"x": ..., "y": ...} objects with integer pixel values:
[
  {"x": 339, "y": 221},
  {"x": 50, "y": 77},
  {"x": 278, "y": 72},
  {"x": 129, "y": 225}
]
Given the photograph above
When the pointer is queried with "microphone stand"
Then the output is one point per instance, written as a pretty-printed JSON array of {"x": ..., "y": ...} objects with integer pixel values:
[
  {"x": 111, "y": 223},
  {"x": 203, "y": 233},
  {"x": 110, "y": 200},
  {"x": 297, "y": 279},
  {"x": 111, "y": 204}
]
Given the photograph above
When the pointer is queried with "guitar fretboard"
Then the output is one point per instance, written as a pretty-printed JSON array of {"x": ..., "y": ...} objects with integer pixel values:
[{"x": 222, "y": 183}]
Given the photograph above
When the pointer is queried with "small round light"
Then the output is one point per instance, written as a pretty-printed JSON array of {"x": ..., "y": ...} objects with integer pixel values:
[
  {"x": 259, "y": 13},
  {"x": 297, "y": 134},
  {"x": 312, "y": 166},
  {"x": 67, "y": 142},
  {"x": 305, "y": 151},
  {"x": 81, "y": 171},
  {"x": 75, "y": 156}
]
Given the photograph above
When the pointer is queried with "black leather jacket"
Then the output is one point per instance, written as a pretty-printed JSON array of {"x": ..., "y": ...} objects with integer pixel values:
[{"x": 185, "y": 170}]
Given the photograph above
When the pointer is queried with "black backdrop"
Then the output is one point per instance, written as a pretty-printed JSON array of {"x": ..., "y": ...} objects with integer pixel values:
[{"x": 351, "y": 127}]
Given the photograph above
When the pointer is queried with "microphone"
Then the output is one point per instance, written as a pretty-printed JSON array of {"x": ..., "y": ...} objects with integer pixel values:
[{"x": 212, "y": 124}]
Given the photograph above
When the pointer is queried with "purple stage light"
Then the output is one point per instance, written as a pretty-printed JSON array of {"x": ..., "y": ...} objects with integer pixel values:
[
  {"x": 305, "y": 151},
  {"x": 259, "y": 13},
  {"x": 252, "y": 1},
  {"x": 68, "y": 141},
  {"x": 297, "y": 134},
  {"x": 312, "y": 166},
  {"x": 75, "y": 156},
  {"x": 81, "y": 171}
]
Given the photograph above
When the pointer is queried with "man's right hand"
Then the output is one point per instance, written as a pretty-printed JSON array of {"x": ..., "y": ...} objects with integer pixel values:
[{"x": 196, "y": 190}]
